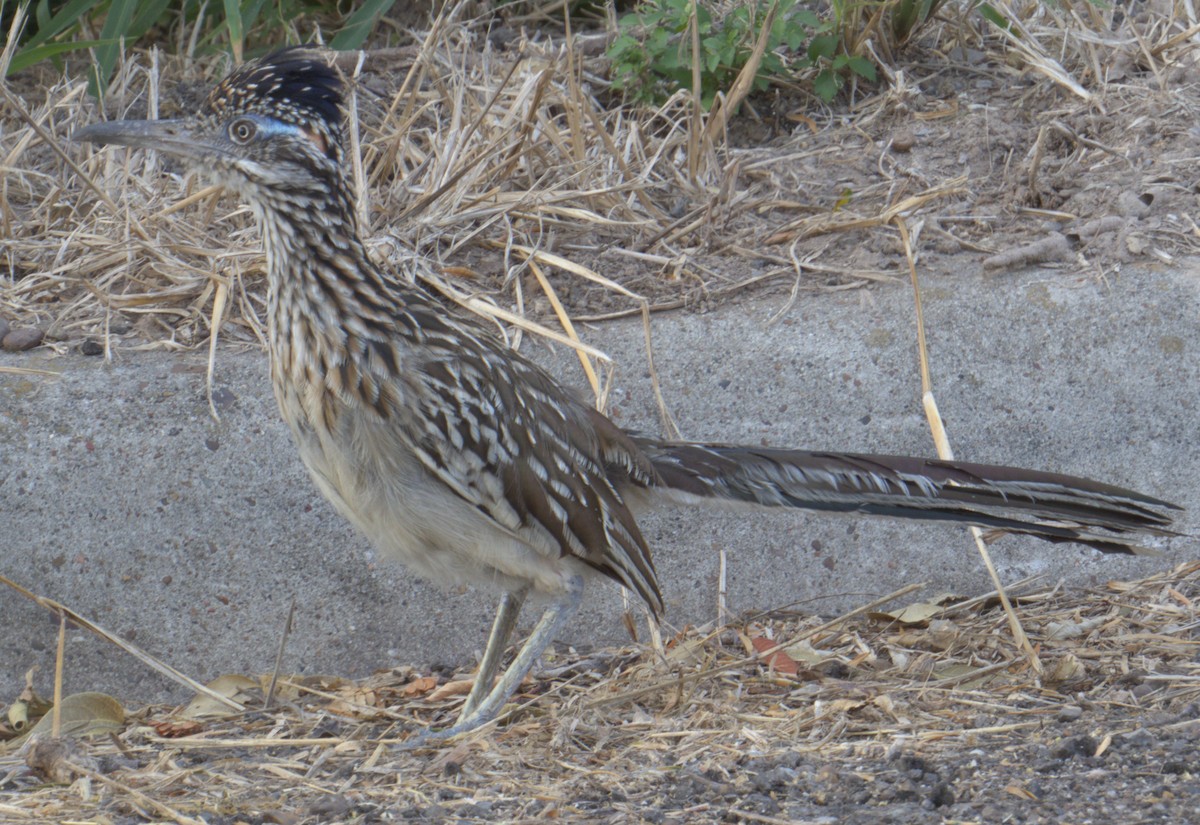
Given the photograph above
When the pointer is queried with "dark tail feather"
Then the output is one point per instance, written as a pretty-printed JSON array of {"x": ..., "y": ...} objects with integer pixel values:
[{"x": 1053, "y": 507}]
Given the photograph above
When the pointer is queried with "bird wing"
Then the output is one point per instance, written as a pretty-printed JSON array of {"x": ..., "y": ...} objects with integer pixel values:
[{"x": 500, "y": 433}]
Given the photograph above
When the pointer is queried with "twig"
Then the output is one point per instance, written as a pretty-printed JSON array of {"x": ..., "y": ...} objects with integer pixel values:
[{"x": 942, "y": 442}]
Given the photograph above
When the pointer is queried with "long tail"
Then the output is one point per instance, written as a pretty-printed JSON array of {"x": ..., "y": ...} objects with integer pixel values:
[{"x": 1053, "y": 507}]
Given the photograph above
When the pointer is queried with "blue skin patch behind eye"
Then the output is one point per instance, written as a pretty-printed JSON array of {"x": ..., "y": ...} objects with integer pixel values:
[{"x": 269, "y": 127}]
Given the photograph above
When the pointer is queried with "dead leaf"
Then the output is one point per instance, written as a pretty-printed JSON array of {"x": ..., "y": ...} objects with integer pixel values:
[
  {"x": 240, "y": 689},
  {"x": 287, "y": 688},
  {"x": 18, "y": 715},
  {"x": 1179, "y": 597},
  {"x": 918, "y": 613},
  {"x": 803, "y": 651},
  {"x": 419, "y": 686},
  {"x": 81, "y": 714},
  {"x": 1021, "y": 792},
  {"x": 778, "y": 661},
  {"x": 459, "y": 687},
  {"x": 174, "y": 729},
  {"x": 824, "y": 708},
  {"x": 1060, "y": 631},
  {"x": 1067, "y": 669},
  {"x": 687, "y": 650},
  {"x": 964, "y": 672}
]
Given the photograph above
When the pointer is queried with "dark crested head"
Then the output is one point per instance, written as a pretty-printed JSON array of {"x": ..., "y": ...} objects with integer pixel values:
[
  {"x": 274, "y": 124},
  {"x": 292, "y": 86}
]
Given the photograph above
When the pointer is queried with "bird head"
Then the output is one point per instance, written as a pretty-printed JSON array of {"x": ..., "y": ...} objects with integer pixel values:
[{"x": 273, "y": 126}]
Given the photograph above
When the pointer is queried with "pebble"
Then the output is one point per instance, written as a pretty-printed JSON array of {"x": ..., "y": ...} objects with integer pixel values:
[
  {"x": 1070, "y": 713},
  {"x": 775, "y": 778},
  {"x": 903, "y": 142},
  {"x": 91, "y": 348},
  {"x": 1082, "y": 745},
  {"x": 22, "y": 339}
]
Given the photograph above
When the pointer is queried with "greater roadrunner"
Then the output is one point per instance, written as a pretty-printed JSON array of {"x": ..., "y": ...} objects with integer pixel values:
[{"x": 465, "y": 461}]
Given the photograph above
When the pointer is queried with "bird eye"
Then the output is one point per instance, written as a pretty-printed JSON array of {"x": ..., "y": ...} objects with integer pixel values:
[{"x": 242, "y": 130}]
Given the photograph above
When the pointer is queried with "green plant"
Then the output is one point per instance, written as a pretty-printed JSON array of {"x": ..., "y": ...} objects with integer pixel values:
[
  {"x": 54, "y": 28},
  {"x": 652, "y": 56},
  {"x": 826, "y": 53},
  {"x": 907, "y": 16}
]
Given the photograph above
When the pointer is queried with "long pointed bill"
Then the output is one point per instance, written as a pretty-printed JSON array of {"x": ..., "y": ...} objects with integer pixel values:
[{"x": 171, "y": 136}]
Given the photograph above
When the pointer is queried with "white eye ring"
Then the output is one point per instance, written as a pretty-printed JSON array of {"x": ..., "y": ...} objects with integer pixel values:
[{"x": 242, "y": 130}]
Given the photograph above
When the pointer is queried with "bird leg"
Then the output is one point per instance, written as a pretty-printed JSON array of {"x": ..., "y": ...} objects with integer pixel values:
[
  {"x": 502, "y": 628},
  {"x": 549, "y": 626}
]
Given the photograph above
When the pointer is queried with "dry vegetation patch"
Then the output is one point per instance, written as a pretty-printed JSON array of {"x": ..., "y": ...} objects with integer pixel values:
[
  {"x": 933, "y": 714},
  {"x": 474, "y": 154}
]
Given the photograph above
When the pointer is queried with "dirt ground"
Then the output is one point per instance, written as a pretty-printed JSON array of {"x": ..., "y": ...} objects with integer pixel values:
[
  {"x": 933, "y": 717},
  {"x": 993, "y": 163}
]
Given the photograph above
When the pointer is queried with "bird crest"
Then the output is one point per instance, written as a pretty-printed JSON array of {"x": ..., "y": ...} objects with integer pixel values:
[{"x": 295, "y": 85}]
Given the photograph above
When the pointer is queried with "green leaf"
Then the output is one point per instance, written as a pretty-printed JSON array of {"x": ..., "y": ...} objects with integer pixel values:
[
  {"x": 794, "y": 38},
  {"x": 251, "y": 11},
  {"x": 862, "y": 67},
  {"x": 147, "y": 15},
  {"x": 116, "y": 28},
  {"x": 360, "y": 24},
  {"x": 994, "y": 17},
  {"x": 826, "y": 85},
  {"x": 712, "y": 60},
  {"x": 233, "y": 21},
  {"x": 824, "y": 45},
  {"x": 69, "y": 15},
  {"x": 623, "y": 44},
  {"x": 27, "y": 57},
  {"x": 42, "y": 14},
  {"x": 807, "y": 18}
]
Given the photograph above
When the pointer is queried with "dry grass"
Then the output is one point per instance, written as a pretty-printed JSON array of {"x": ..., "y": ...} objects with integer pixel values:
[
  {"x": 473, "y": 160},
  {"x": 852, "y": 689}
]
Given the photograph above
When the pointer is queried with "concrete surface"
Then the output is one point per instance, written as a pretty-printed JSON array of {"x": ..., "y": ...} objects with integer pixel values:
[{"x": 120, "y": 497}]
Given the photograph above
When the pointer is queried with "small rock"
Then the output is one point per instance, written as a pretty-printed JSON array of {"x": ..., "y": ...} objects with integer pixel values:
[
  {"x": 941, "y": 795},
  {"x": 903, "y": 142},
  {"x": 334, "y": 807},
  {"x": 222, "y": 397},
  {"x": 3, "y": 328},
  {"x": 1140, "y": 739},
  {"x": 91, "y": 348},
  {"x": 774, "y": 779},
  {"x": 1074, "y": 746},
  {"x": 1133, "y": 205},
  {"x": 1143, "y": 690},
  {"x": 1070, "y": 713},
  {"x": 20, "y": 340}
]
